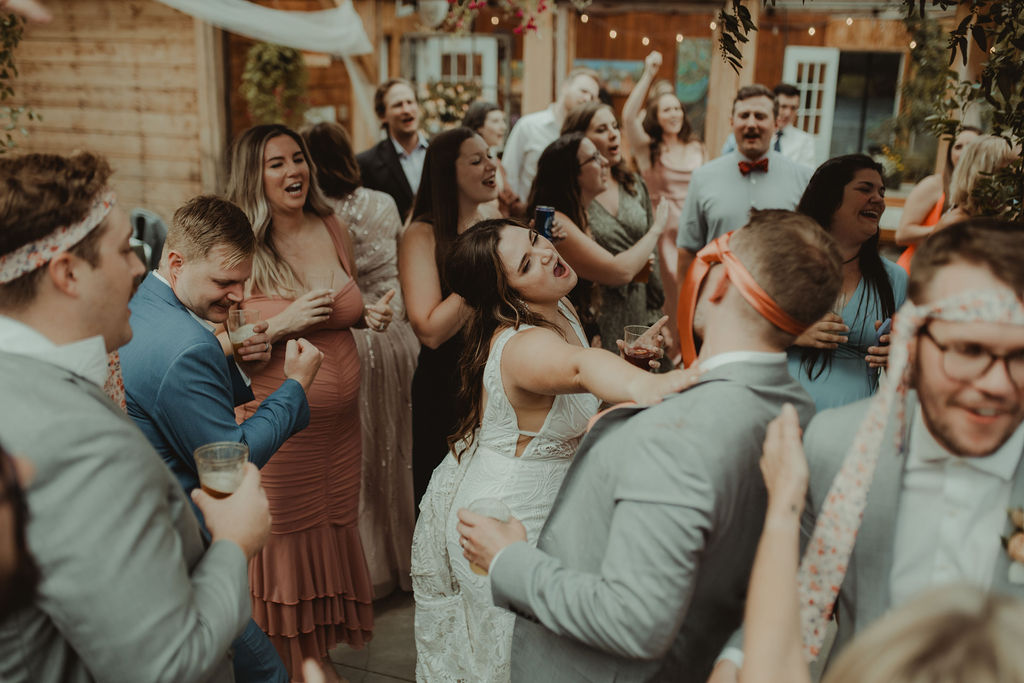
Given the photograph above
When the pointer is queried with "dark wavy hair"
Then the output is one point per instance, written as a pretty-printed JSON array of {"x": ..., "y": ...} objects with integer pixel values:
[
  {"x": 437, "y": 200},
  {"x": 821, "y": 199},
  {"x": 654, "y": 130},
  {"x": 474, "y": 271},
  {"x": 578, "y": 121},
  {"x": 557, "y": 183}
]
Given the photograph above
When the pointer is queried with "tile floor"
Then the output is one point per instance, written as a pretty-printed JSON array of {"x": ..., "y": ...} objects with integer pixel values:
[{"x": 391, "y": 655}]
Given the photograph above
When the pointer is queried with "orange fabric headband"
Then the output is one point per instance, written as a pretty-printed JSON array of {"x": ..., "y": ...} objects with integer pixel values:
[{"x": 717, "y": 251}]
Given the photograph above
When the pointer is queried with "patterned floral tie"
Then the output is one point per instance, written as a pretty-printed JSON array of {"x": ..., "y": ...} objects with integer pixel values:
[{"x": 825, "y": 559}]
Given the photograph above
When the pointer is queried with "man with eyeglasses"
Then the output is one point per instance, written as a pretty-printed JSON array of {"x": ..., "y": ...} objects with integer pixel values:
[{"x": 947, "y": 432}]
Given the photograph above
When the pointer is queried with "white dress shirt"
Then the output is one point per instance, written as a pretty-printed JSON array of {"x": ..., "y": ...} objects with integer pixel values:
[
  {"x": 952, "y": 511},
  {"x": 528, "y": 139},
  {"x": 412, "y": 162},
  {"x": 85, "y": 357}
]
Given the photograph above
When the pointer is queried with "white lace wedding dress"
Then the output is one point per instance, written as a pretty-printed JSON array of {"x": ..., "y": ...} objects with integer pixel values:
[{"x": 460, "y": 634}]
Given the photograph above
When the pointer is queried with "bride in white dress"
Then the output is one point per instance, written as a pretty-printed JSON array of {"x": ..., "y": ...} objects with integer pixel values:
[{"x": 529, "y": 387}]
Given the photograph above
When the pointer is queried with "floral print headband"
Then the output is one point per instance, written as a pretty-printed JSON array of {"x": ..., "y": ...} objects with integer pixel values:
[{"x": 37, "y": 254}]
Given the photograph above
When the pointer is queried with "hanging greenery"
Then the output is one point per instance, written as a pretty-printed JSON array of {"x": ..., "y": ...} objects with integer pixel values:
[
  {"x": 274, "y": 84},
  {"x": 11, "y": 29}
]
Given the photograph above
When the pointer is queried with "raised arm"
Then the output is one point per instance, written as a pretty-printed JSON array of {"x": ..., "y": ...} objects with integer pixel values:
[
  {"x": 435, "y": 319},
  {"x": 636, "y": 136},
  {"x": 539, "y": 361},
  {"x": 918, "y": 206},
  {"x": 593, "y": 262}
]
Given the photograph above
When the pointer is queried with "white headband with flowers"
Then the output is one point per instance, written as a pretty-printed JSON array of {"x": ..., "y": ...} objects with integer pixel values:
[
  {"x": 37, "y": 254},
  {"x": 823, "y": 566}
]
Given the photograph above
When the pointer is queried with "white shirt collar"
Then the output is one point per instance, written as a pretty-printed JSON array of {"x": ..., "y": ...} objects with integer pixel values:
[
  {"x": 85, "y": 357},
  {"x": 721, "y": 359},
  {"x": 205, "y": 323},
  {"x": 421, "y": 144},
  {"x": 924, "y": 451}
]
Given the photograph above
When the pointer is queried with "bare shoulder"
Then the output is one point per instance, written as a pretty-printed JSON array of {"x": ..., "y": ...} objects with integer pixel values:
[{"x": 419, "y": 233}]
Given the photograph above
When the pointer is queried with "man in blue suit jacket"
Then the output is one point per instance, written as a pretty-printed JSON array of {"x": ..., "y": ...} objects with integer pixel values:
[{"x": 182, "y": 388}]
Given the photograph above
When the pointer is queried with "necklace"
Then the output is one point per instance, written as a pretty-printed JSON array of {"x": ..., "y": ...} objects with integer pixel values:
[{"x": 852, "y": 258}]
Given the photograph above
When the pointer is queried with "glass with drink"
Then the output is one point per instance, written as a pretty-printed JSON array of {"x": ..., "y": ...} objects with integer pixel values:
[
  {"x": 240, "y": 324},
  {"x": 221, "y": 465},
  {"x": 489, "y": 507},
  {"x": 641, "y": 345}
]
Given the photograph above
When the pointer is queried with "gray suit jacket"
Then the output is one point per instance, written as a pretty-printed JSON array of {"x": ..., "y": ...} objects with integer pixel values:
[
  {"x": 128, "y": 592},
  {"x": 864, "y": 596},
  {"x": 641, "y": 570}
]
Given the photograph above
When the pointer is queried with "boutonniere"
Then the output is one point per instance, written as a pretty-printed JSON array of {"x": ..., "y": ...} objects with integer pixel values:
[{"x": 1014, "y": 545}]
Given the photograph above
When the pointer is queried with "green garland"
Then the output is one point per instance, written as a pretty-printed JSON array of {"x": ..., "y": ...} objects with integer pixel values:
[
  {"x": 274, "y": 84},
  {"x": 11, "y": 29}
]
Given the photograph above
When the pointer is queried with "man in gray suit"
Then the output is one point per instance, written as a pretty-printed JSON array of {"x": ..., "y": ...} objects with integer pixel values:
[
  {"x": 937, "y": 507},
  {"x": 641, "y": 570},
  {"x": 128, "y": 592}
]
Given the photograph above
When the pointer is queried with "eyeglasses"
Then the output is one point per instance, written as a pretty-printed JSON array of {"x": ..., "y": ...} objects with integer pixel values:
[
  {"x": 596, "y": 157},
  {"x": 967, "y": 361}
]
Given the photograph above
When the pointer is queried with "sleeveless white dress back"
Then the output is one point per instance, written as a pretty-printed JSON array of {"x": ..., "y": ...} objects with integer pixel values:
[{"x": 460, "y": 634}]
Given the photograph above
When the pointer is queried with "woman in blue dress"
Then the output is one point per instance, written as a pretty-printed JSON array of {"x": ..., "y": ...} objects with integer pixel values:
[{"x": 838, "y": 359}]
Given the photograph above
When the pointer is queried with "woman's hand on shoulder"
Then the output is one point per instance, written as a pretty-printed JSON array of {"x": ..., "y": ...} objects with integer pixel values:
[{"x": 651, "y": 388}]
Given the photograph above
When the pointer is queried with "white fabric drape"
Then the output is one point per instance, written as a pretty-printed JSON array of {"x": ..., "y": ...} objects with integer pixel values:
[{"x": 336, "y": 31}]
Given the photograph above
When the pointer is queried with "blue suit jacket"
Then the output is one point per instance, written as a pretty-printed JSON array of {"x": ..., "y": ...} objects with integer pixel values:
[{"x": 182, "y": 390}]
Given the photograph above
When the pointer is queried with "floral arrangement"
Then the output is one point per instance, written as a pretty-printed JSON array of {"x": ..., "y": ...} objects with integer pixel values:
[
  {"x": 462, "y": 13},
  {"x": 444, "y": 103}
]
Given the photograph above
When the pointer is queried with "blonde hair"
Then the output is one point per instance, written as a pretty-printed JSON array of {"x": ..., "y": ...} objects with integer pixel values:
[
  {"x": 950, "y": 634},
  {"x": 271, "y": 274},
  {"x": 984, "y": 155}
]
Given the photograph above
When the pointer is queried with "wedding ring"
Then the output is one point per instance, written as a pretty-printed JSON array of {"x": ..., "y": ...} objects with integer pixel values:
[{"x": 267, "y": 345}]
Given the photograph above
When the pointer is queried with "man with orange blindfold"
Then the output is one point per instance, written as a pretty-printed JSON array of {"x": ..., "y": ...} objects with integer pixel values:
[{"x": 640, "y": 572}]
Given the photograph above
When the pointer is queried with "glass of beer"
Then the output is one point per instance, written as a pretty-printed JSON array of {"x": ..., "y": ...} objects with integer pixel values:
[
  {"x": 240, "y": 324},
  {"x": 489, "y": 507},
  {"x": 221, "y": 465},
  {"x": 641, "y": 346}
]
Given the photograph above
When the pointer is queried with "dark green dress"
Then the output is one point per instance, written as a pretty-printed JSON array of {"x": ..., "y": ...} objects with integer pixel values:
[{"x": 636, "y": 303}]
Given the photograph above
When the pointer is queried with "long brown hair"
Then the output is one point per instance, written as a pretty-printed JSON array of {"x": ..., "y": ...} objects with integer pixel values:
[
  {"x": 578, "y": 121},
  {"x": 331, "y": 150},
  {"x": 437, "y": 200},
  {"x": 474, "y": 271},
  {"x": 557, "y": 183}
]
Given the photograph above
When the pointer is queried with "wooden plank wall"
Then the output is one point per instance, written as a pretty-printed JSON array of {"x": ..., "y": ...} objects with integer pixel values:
[{"x": 117, "y": 77}]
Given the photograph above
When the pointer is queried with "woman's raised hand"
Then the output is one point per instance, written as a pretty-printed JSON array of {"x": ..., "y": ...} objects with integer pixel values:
[
  {"x": 783, "y": 464},
  {"x": 378, "y": 316},
  {"x": 309, "y": 309},
  {"x": 652, "y": 62},
  {"x": 660, "y": 221}
]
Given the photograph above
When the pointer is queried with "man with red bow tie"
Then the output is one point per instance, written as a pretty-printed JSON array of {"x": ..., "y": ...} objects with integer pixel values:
[{"x": 722, "y": 192}]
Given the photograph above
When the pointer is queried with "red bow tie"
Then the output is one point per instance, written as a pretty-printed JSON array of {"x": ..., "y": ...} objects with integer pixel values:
[{"x": 747, "y": 166}]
